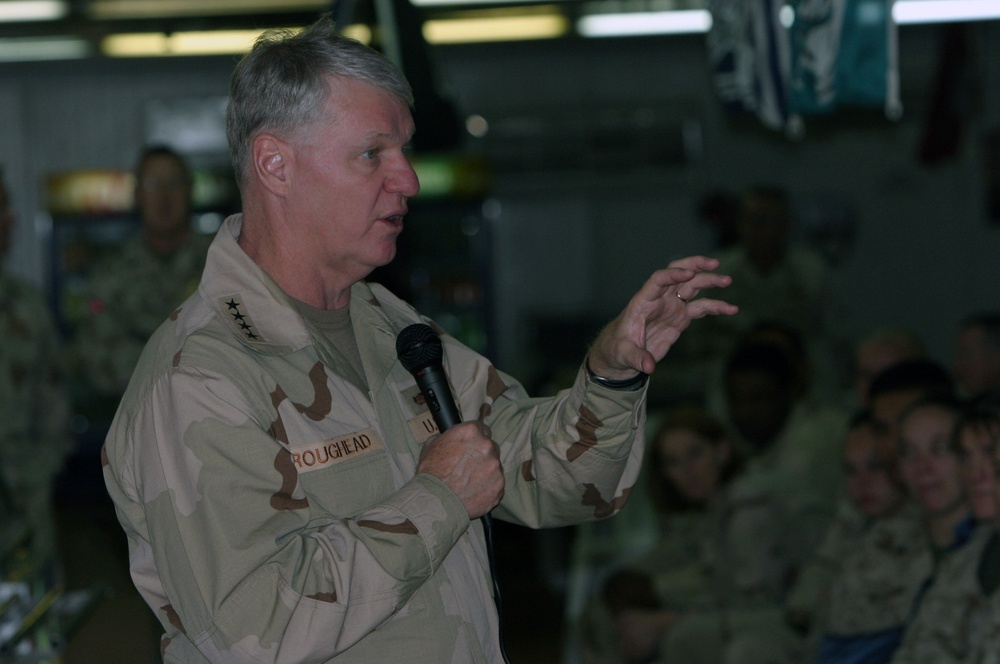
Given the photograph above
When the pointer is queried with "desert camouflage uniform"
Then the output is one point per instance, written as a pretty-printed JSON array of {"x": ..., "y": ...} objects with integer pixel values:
[
  {"x": 987, "y": 650},
  {"x": 879, "y": 582},
  {"x": 953, "y": 615},
  {"x": 34, "y": 410},
  {"x": 748, "y": 562},
  {"x": 673, "y": 575},
  {"x": 272, "y": 508},
  {"x": 129, "y": 294},
  {"x": 737, "y": 567},
  {"x": 809, "y": 597}
]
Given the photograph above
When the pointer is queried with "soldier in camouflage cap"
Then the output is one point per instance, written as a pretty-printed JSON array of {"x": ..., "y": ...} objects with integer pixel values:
[
  {"x": 279, "y": 477},
  {"x": 132, "y": 290},
  {"x": 34, "y": 407}
]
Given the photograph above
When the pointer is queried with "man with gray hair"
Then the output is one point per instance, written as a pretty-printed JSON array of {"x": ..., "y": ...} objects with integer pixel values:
[{"x": 286, "y": 494}]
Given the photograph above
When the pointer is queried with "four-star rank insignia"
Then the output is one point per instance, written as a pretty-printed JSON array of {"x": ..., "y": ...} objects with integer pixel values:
[{"x": 241, "y": 319}]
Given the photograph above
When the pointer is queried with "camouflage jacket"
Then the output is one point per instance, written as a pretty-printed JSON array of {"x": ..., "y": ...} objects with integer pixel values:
[
  {"x": 953, "y": 615},
  {"x": 272, "y": 508},
  {"x": 985, "y": 651},
  {"x": 34, "y": 405},
  {"x": 881, "y": 578},
  {"x": 129, "y": 294}
]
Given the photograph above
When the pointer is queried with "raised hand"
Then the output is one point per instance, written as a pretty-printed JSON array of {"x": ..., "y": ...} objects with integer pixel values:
[{"x": 638, "y": 338}]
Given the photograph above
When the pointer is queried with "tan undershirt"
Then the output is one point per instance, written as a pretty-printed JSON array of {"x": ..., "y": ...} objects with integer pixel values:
[{"x": 335, "y": 326}]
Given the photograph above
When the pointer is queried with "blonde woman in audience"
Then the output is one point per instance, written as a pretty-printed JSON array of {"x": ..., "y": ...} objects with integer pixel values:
[
  {"x": 881, "y": 585},
  {"x": 951, "y": 623}
]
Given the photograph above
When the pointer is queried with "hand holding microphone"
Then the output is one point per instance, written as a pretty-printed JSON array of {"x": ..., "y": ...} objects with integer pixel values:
[{"x": 462, "y": 456}]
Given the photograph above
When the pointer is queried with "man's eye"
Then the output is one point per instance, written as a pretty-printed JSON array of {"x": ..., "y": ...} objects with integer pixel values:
[{"x": 370, "y": 154}]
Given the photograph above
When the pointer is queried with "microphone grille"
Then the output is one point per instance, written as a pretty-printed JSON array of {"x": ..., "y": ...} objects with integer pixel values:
[{"x": 418, "y": 346}]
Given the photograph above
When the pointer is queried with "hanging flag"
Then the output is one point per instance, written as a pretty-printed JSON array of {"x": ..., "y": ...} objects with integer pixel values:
[
  {"x": 785, "y": 59},
  {"x": 748, "y": 50}
]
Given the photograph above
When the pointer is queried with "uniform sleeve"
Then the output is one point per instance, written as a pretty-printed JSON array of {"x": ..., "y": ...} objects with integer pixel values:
[
  {"x": 209, "y": 495},
  {"x": 567, "y": 459}
]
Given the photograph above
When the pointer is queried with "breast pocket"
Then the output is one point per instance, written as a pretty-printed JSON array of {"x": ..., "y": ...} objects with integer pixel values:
[{"x": 345, "y": 475}]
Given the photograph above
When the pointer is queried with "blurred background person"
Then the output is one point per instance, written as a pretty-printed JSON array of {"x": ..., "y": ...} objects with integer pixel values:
[
  {"x": 879, "y": 350},
  {"x": 776, "y": 429},
  {"x": 871, "y": 494},
  {"x": 717, "y": 594},
  {"x": 34, "y": 406},
  {"x": 691, "y": 461},
  {"x": 882, "y": 582},
  {"x": 776, "y": 278},
  {"x": 896, "y": 389},
  {"x": 951, "y": 622},
  {"x": 977, "y": 354},
  {"x": 134, "y": 289}
]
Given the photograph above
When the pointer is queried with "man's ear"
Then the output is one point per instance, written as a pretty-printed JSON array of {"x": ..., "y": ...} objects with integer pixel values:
[{"x": 272, "y": 159}]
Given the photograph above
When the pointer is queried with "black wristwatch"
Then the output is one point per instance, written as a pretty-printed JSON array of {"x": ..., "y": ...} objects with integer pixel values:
[{"x": 627, "y": 385}]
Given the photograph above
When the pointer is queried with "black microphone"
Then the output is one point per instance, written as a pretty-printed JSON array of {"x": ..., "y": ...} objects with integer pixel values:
[{"x": 419, "y": 350}]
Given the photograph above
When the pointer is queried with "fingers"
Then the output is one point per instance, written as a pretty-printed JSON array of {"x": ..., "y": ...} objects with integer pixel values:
[
  {"x": 709, "y": 307},
  {"x": 695, "y": 263},
  {"x": 468, "y": 461},
  {"x": 691, "y": 275}
]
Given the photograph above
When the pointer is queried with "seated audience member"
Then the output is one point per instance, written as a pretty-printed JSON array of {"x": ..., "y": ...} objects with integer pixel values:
[
  {"x": 691, "y": 463},
  {"x": 953, "y": 616},
  {"x": 776, "y": 278},
  {"x": 735, "y": 576},
  {"x": 977, "y": 354},
  {"x": 899, "y": 386},
  {"x": 778, "y": 431},
  {"x": 987, "y": 636},
  {"x": 792, "y": 342},
  {"x": 872, "y": 494},
  {"x": 881, "y": 349},
  {"x": 880, "y": 586}
]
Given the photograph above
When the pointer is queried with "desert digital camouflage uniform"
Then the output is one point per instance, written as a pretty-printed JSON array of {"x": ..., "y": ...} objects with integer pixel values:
[
  {"x": 34, "y": 409},
  {"x": 954, "y": 613},
  {"x": 748, "y": 563},
  {"x": 987, "y": 650},
  {"x": 882, "y": 577},
  {"x": 272, "y": 507},
  {"x": 735, "y": 572},
  {"x": 808, "y": 599},
  {"x": 673, "y": 574},
  {"x": 129, "y": 294}
]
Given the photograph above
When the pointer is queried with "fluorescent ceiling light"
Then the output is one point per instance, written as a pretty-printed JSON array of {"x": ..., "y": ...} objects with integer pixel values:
[
  {"x": 645, "y": 23},
  {"x": 32, "y": 10},
  {"x": 452, "y": 3},
  {"x": 156, "y": 44},
  {"x": 123, "y": 9},
  {"x": 22, "y": 49},
  {"x": 495, "y": 28},
  {"x": 217, "y": 42},
  {"x": 944, "y": 11}
]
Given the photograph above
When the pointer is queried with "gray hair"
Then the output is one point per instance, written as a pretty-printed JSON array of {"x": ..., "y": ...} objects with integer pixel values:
[{"x": 281, "y": 84}]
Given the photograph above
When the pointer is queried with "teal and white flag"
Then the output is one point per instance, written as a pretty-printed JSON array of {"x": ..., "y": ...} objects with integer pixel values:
[{"x": 782, "y": 60}]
